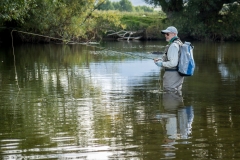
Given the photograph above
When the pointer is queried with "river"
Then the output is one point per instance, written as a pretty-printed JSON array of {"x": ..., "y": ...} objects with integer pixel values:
[{"x": 86, "y": 102}]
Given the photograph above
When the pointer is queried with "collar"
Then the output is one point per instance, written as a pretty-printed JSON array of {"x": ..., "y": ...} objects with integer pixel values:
[{"x": 173, "y": 39}]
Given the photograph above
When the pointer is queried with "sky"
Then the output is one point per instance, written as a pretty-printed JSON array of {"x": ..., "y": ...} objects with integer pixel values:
[{"x": 134, "y": 2}]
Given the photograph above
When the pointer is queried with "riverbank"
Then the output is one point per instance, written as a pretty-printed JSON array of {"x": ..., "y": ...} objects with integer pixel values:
[{"x": 149, "y": 23}]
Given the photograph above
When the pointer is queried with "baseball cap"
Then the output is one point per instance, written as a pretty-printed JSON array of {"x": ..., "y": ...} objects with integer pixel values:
[{"x": 170, "y": 29}]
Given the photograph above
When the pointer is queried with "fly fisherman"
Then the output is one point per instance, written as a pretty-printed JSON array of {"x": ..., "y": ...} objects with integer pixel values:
[{"x": 172, "y": 81}]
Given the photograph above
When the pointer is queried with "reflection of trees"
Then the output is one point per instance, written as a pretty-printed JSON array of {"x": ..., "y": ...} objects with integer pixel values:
[
  {"x": 56, "y": 98},
  {"x": 228, "y": 61},
  {"x": 61, "y": 103},
  {"x": 225, "y": 55},
  {"x": 214, "y": 88}
]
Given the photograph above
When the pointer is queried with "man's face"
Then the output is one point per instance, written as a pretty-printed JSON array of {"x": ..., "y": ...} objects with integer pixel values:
[{"x": 169, "y": 36}]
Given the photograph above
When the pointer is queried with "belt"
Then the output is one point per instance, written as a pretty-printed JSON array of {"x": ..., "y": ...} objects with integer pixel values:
[{"x": 171, "y": 69}]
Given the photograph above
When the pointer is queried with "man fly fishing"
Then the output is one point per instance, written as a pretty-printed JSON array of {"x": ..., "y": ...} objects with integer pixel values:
[{"x": 172, "y": 81}]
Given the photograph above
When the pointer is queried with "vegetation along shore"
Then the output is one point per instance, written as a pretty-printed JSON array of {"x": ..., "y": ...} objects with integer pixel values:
[{"x": 58, "y": 21}]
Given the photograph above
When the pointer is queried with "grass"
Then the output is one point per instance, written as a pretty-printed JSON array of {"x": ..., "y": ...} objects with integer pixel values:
[{"x": 139, "y": 21}]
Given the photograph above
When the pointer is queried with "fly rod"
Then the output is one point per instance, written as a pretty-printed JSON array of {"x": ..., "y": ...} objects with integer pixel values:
[{"x": 136, "y": 56}]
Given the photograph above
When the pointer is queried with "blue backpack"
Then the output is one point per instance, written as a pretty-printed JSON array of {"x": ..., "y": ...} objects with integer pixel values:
[{"x": 186, "y": 64}]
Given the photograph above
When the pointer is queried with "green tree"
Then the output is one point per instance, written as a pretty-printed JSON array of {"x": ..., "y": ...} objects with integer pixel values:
[
  {"x": 126, "y": 5},
  {"x": 138, "y": 9},
  {"x": 58, "y": 18},
  {"x": 168, "y": 6},
  {"x": 64, "y": 19},
  {"x": 145, "y": 8},
  {"x": 199, "y": 18},
  {"x": 105, "y": 21},
  {"x": 106, "y": 6},
  {"x": 116, "y": 5},
  {"x": 203, "y": 8},
  {"x": 15, "y": 9},
  {"x": 205, "y": 19}
]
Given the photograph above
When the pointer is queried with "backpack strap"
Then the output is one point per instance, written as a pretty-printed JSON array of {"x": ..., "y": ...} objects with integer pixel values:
[{"x": 179, "y": 42}]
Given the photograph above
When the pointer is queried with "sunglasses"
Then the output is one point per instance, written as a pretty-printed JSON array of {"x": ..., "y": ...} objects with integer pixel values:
[{"x": 167, "y": 34}]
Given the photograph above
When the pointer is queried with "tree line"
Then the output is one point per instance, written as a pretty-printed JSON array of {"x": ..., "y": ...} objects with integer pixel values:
[
  {"x": 87, "y": 20},
  {"x": 203, "y": 19},
  {"x": 75, "y": 20},
  {"x": 70, "y": 20}
]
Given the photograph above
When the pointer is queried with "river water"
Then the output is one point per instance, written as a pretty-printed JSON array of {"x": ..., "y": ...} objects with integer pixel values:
[{"x": 82, "y": 102}]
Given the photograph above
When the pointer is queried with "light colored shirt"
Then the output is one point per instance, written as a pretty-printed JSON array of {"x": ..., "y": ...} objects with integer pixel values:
[{"x": 172, "y": 56}]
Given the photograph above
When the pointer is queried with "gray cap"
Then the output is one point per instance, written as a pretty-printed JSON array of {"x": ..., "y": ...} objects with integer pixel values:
[{"x": 170, "y": 29}]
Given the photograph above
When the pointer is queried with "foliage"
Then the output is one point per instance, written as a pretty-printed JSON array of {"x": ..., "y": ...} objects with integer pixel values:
[
  {"x": 108, "y": 5},
  {"x": 168, "y": 6},
  {"x": 153, "y": 31},
  {"x": 104, "y": 21},
  {"x": 15, "y": 9},
  {"x": 207, "y": 22},
  {"x": 67, "y": 19},
  {"x": 80, "y": 20},
  {"x": 229, "y": 25},
  {"x": 58, "y": 18},
  {"x": 116, "y": 5},
  {"x": 201, "y": 19},
  {"x": 143, "y": 9},
  {"x": 124, "y": 5},
  {"x": 151, "y": 23}
]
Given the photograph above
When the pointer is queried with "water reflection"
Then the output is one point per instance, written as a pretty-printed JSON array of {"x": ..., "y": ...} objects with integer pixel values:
[
  {"x": 176, "y": 120},
  {"x": 80, "y": 105}
]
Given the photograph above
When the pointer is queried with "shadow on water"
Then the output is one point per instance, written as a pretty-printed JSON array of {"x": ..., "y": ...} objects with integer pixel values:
[{"x": 81, "y": 102}]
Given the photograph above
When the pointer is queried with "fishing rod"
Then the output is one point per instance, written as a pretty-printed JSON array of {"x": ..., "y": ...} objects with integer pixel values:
[{"x": 135, "y": 55}]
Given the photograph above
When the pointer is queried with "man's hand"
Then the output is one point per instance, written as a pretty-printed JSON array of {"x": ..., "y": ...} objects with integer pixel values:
[
  {"x": 155, "y": 60},
  {"x": 158, "y": 62}
]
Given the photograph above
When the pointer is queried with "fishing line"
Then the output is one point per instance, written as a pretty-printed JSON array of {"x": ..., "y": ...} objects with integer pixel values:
[
  {"x": 130, "y": 54},
  {"x": 14, "y": 57},
  {"x": 159, "y": 81},
  {"x": 144, "y": 57},
  {"x": 15, "y": 69},
  {"x": 14, "y": 61},
  {"x": 69, "y": 41},
  {"x": 34, "y": 34},
  {"x": 61, "y": 39}
]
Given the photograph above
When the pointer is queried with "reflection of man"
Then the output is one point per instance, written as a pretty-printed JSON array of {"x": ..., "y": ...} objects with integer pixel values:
[
  {"x": 185, "y": 119},
  {"x": 171, "y": 102},
  {"x": 177, "y": 118}
]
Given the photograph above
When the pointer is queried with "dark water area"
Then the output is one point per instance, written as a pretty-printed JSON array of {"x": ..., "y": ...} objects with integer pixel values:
[{"x": 82, "y": 102}]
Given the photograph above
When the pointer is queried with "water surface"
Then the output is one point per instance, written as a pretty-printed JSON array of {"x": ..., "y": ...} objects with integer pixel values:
[{"x": 82, "y": 102}]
